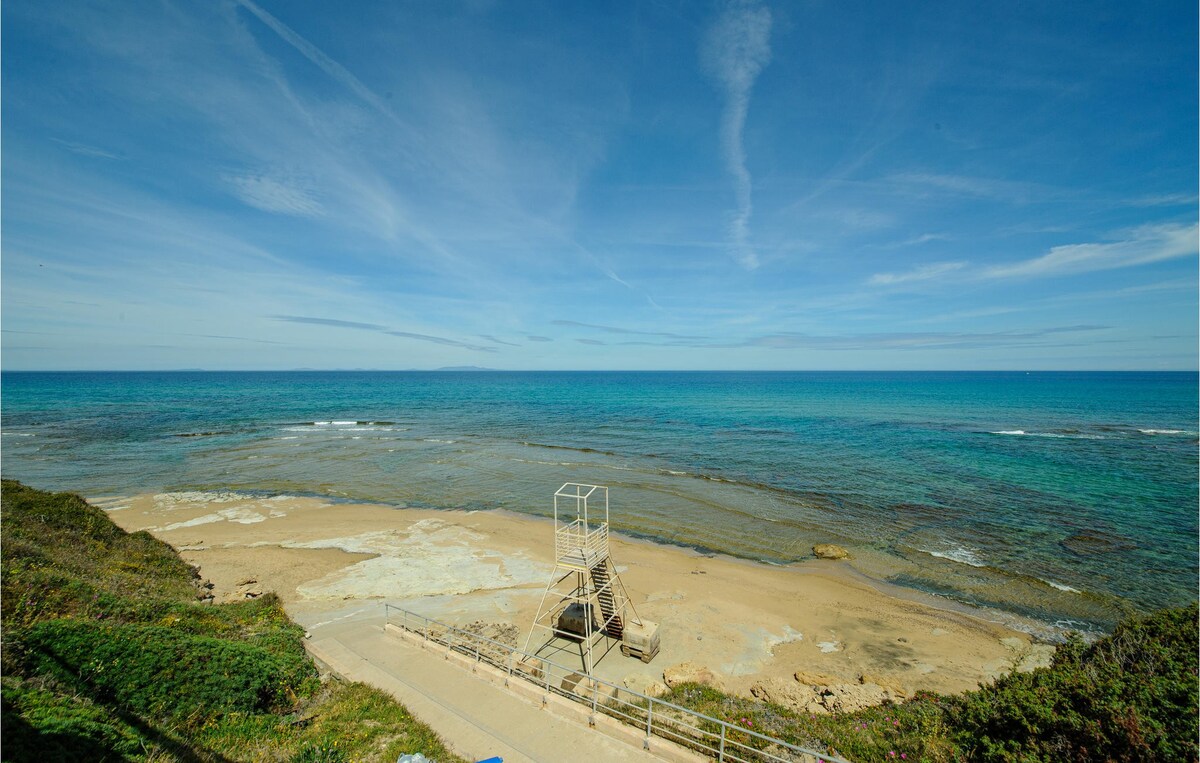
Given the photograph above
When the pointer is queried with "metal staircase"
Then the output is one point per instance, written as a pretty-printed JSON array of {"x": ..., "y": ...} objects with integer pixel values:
[{"x": 611, "y": 624}]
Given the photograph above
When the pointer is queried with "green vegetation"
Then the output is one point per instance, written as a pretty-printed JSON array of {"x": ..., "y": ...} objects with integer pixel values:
[
  {"x": 109, "y": 656},
  {"x": 1130, "y": 696}
]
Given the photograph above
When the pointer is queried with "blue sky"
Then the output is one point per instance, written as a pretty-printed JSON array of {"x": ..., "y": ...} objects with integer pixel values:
[{"x": 658, "y": 185}]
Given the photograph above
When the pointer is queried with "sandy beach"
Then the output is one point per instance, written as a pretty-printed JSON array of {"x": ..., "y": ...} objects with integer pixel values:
[{"x": 754, "y": 626}]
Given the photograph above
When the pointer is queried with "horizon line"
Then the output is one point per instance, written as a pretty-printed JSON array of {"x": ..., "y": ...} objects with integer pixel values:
[{"x": 469, "y": 370}]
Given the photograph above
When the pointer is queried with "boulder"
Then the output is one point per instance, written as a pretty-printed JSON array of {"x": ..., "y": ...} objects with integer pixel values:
[
  {"x": 895, "y": 688},
  {"x": 829, "y": 551},
  {"x": 817, "y": 679},
  {"x": 690, "y": 672},
  {"x": 644, "y": 684},
  {"x": 814, "y": 693},
  {"x": 791, "y": 694},
  {"x": 846, "y": 698}
]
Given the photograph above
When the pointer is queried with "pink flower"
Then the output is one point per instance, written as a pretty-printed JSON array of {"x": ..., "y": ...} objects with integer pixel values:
[{"x": 891, "y": 753}]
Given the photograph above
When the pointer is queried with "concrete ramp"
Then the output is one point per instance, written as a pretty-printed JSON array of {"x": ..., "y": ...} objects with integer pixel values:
[{"x": 476, "y": 718}]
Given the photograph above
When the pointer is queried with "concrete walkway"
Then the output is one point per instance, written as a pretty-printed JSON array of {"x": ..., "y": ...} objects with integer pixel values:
[{"x": 476, "y": 718}]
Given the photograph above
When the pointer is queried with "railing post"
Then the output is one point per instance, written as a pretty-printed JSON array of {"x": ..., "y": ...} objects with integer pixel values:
[
  {"x": 595, "y": 691},
  {"x": 721, "y": 752},
  {"x": 649, "y": 723}
]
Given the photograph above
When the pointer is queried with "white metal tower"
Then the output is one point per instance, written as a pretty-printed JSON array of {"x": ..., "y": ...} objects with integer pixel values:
[{"x": 585, "y": 601}]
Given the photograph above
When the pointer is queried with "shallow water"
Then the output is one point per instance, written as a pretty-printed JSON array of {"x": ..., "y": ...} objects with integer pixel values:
[{"x": 1070, "y": 497}]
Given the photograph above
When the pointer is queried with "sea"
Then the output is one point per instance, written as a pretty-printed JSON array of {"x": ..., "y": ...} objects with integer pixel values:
[{"x": 1064, "y": 499}]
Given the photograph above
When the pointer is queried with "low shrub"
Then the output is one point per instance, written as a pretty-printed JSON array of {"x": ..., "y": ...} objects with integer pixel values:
[{"x": 1129, "y": 696}]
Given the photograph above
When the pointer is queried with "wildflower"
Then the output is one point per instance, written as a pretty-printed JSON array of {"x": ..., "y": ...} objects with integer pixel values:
[
  {"x": 904, "y": 756},
  {"x": 891, "y": 753}
]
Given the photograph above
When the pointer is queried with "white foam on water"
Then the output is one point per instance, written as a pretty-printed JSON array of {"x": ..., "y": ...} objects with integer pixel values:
[
  {"x": 1059, "y": 586},
  {"x": 1167, "y": 431},
  {"x": 1052, "y": 435},
  {"x": 955, "y": 552},
  {"x": 175, "y": 500}
]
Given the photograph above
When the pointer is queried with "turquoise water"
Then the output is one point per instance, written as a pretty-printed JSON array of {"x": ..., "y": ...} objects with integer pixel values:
[{"x": 1067, "y": 497}]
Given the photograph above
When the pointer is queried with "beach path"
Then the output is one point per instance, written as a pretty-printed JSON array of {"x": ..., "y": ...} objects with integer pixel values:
[{"x": 477, "y": 719}]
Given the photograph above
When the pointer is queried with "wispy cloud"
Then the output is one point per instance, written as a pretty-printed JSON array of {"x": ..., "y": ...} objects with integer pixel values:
[
  {"x": 330, "y": 322},
  {"x": 326, "y": 64},
  {"x": 234, "y": 338},
  {"x": 922, "y": 273},
  {"x": 536, "y": 338},
  {"x": 912, "y": 340},
  {"x": 966, "y": 185},
  {"x": 334, "y": 322},
  {"x": 1144, "y": 245},
  {"x": 1166, "y": 200},
  {"x": 491, "y": 338},
  {"x": 273, "y": 194},
  {"x": 594, "y": 342},
  {"x": 440, "y": 340},
  {"x": 619, "y": 330},
  {"x": 85, "y": 150},
  {"x": 735, "y": 51}
]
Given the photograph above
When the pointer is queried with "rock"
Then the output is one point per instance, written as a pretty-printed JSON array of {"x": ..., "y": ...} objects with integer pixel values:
[
  {"x": 816, "y": 693},
  {"x": 690, "y": 672},
  {"x": 797, "y": 696},
  {"x": 817, "y": 679},
  {"x": 1096, "y": 542},
  {"x": 645, "y": 684},
  {"x": 893, "y": 687},
  {"x": 830, "y": 551},
  {"x": 246, "y": 582},
  {"x": 846, "y": 698}
]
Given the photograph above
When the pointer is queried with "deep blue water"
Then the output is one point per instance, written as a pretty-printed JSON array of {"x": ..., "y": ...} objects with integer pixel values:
[{"x": 1069, "y": 497}]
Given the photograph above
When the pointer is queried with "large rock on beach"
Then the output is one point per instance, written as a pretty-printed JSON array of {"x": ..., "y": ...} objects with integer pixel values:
[
  {"x": 814, "y": 694},
  {"x": 690, "y": 673},
  {"x": 830, "y": 551},
  {"x": 791, "y": 694},
  {"x": 644, "y": 684}
]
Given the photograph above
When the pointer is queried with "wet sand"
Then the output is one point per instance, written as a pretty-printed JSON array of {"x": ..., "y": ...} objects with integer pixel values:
[{"x": 749, "y": 623}]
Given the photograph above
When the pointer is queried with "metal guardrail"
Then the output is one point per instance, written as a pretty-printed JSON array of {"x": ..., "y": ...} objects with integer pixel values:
[
  {"x": 720, "y": 739},
  {"x": 577, "y": 537}
]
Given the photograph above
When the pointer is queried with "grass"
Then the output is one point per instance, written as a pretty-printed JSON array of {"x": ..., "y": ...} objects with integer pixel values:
[{"x": 108, "y": 655}]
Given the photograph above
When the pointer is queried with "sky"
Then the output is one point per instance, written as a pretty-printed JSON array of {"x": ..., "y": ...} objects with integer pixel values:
[{"x": 260, "y": 184}]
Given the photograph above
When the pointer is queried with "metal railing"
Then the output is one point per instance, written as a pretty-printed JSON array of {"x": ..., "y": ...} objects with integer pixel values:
[
  {"x": 578, "y": 538},
  {"x": 653, "y": 717}
]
